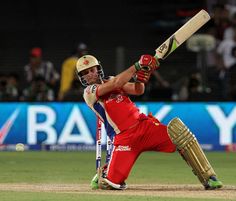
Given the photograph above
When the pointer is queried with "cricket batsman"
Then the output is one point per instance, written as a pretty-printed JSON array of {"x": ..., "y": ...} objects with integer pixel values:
[{"x": 134, "y": 131}]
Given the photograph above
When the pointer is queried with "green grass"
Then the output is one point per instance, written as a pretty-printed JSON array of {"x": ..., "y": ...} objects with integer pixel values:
[
  {"x": 79, "y": 167},
  {"x": 171, "y": 168},
  {"x": 46, "y": 167},
  {"x": 19, "y": 196}
]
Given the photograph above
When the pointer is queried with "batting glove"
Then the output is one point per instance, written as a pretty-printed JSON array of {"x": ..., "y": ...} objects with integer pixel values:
[
  {"x": 142, "y": 76},
  {"x": 147, "y": 63}
]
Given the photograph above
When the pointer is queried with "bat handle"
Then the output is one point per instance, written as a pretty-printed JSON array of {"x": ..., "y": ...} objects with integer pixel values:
[{"x": 156, "y": 57}]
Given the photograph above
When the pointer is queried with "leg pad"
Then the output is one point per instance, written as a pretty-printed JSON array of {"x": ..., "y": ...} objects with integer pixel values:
[{"x": 190, "y": 150}]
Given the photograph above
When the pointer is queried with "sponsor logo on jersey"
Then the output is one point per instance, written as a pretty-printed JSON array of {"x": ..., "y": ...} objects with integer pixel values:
[{"x": 123, "y": 148}]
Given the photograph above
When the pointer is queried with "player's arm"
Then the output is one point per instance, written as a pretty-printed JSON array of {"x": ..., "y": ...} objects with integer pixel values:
[
  {"x": 136, "y": 88},
  {"x": 116, "y": 82},
  {"x": 145, "y": 63},
  {"x": 141, "y": 77}
]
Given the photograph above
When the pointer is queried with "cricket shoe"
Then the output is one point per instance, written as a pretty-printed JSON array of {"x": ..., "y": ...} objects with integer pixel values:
[{"x": 213, "y": 183}]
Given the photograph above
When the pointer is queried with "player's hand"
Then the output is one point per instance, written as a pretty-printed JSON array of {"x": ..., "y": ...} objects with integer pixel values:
[
  {"x": 147, "y": 63},
  {"x": 142, "y": 76}
]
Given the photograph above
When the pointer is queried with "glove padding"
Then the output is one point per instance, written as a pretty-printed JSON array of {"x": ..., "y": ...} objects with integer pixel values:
[
  {"x": 147, "y": 63},
  {"x": 142, "y": 76}
]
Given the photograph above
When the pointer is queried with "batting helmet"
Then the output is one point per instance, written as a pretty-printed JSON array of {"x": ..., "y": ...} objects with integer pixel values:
[{"x": 86, "y": 62}]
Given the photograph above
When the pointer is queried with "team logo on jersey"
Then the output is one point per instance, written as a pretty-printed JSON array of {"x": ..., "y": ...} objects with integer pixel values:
[
  {"x": 117, "y": 97},
  {"x": 86, "y": 62}
]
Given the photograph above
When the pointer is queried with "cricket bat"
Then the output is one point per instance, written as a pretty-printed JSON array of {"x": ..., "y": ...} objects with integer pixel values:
[{"x": 182, "y": 34}]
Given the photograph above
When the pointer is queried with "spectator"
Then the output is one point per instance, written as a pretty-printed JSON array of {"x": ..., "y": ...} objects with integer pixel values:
[
  {"x": 38, "y": 91},
  {"x": 226, "y": 61},
  {"x": 180, "y": 89},
  {"x": 229, "y": 32},
  {"x": 8, "y": 92},
  {"x": 232, "y": 78},
  {"x": 38, "y": 67},
  {"x": 195, "y": 90},
  {"x": 158, "y": 88},
  {"x": 13, "y": 85},
  {"x": 75, "y": 93},
  {"x": 68, "y": 69},
  {"x": 219, "y": 21}
]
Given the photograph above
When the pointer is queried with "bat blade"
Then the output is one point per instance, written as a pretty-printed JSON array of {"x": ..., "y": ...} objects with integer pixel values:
[{"x": 182, "y": 34}]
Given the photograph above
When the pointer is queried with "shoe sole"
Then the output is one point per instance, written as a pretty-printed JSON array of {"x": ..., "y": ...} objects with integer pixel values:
[{"x": 213, "y": 187}]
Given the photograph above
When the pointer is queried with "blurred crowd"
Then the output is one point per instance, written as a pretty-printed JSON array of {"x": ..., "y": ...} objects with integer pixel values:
[
  {"x": 43, "y": 82},
  {"x": 221, "y": 61},
  {"x": 215, "y": 80}
]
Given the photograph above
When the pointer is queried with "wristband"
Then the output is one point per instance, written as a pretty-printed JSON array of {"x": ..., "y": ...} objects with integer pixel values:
[{"x": 137, "y": 66}]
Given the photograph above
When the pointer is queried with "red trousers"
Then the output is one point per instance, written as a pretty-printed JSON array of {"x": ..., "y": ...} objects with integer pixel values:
[{"x": 148, "y": 135}]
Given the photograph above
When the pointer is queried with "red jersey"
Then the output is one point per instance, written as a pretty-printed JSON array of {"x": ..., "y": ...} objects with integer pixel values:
[{"x": 115, "y": 109}]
